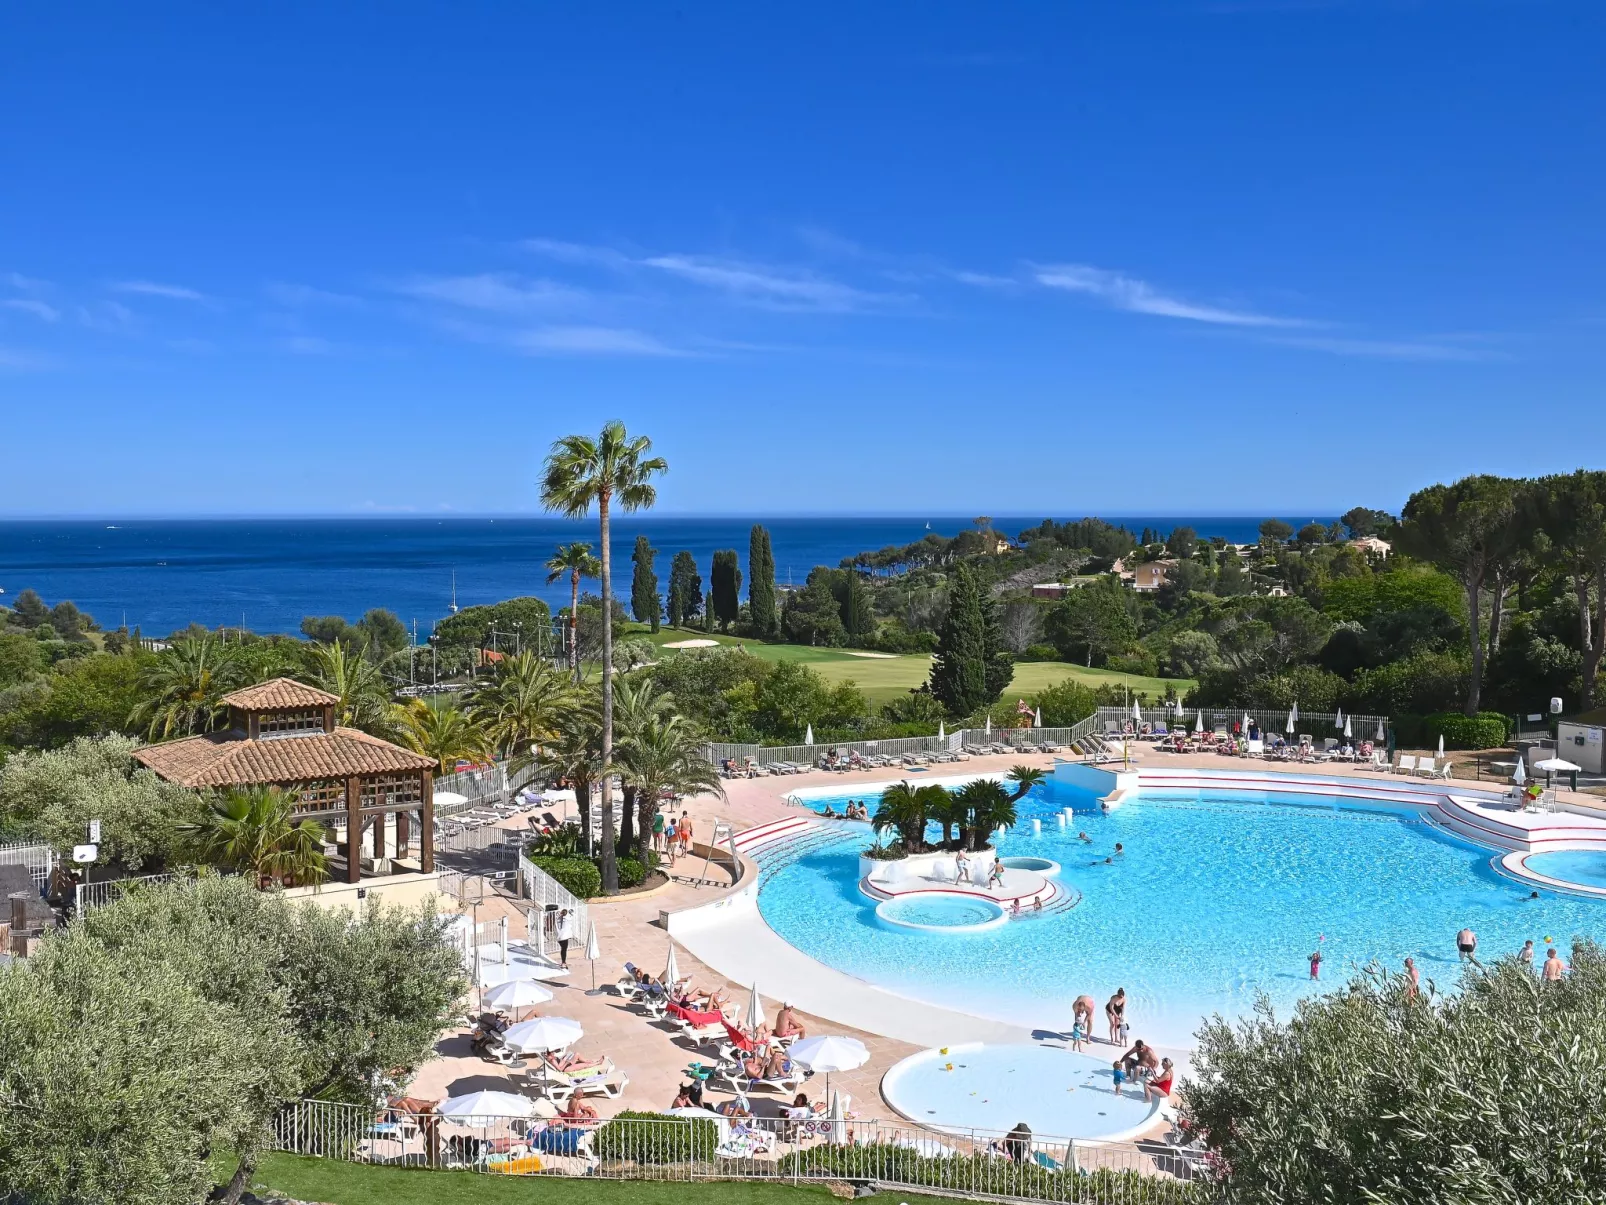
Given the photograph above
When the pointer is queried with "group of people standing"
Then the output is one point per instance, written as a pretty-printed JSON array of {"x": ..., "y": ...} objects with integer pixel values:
[{"x": 1140, "y": 1065}]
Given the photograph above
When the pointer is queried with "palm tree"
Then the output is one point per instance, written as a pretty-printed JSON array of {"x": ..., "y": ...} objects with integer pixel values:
[
  {"x": 522, "y": 703},
  {"x": 574, "y": 754},
  {"x": 613, "y": 469},
  {"x": 635, "y": 706},
  {"x": 1024, "y": 778},
  {"x": 951, "y": 813},
  {"x": 254, "y": 830},
  {"x": 445, "y": 733},
  {"x": 664, "y": 755},
  {"x": 987, "y": 805},
  {"x": 364, "y": 694},
  {"x": 575, "y": 560},
  {"x": 906, "y": 809},
  {"x": 184, "y": 687}
]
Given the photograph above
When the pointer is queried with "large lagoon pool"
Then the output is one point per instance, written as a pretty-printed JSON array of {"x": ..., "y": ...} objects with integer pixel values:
[{"x": 1215, "y": 899}]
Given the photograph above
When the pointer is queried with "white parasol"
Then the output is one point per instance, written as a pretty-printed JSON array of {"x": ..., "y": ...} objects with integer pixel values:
[
  {"x": 1338, "y": 718},
  {"x": 942, "y": 732},
  {"x": 1198, "y": 721},
  {"x": 1381, "y": 734},
  {"x": 486, "y": 1106},
  {"x": 449, "y": 799},
  {"x": 1348, "y": 727},
  {"x": 671, "y": 968},
  {"x": 989, "y": 728},
  {"x": 1292, "y": 717},
  {"x": 517, "y": 994},
  {"x": 1037, "y": 718},
  {"x": 1520, "y": 774},
  {"x": 753, "y": 1018},
  {"x": 593, "y": 952},
  {"x": 1295, "y": 713},
  {"x": 1441, "y": 744},
  {"x": 540, "y": 1034},
  {"x": 1137, "y": 712},
  {"x": 808, "y": 736},
  {"x": 830, "y": 1052}
]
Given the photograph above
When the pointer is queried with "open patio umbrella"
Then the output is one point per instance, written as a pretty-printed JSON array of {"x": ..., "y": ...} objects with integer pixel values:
[
  {"x": 1555, "y": 765},
  {"x": 593, "y": 952},
  {"x": 830, "y": 1052},
  {"x": 671, "y": 968},
  {"x": 754, "y": 1016},
  {"x": 486, "y": 1106},
  {"x": 808, "y": 736},
  {"x": 540, "y": 1034},
  {"x": 517, "y": 994},
  {"x": 449, "y": 799}
]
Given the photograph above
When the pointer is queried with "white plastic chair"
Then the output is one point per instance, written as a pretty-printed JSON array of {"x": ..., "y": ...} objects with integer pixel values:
[{"x": 1407, "y": 764}]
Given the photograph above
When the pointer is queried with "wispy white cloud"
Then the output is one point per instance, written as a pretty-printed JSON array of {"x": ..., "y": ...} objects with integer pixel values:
[
  {"x": 592, "y": 341},
  {"x": 983, "y": 280},
  {"x": 299, "y": 296},
  {"x": 111, "y": 316},
  {"x": 577, "y": 253},
  {"x": 498, "y": 292},
  {"x": 30, "y": 305},
  {"x": 1139, "y": 297},
  {"x": 1390, "y": 349},
  {"x": 26, "y": 284},
  {"x": 780, "y": 288},
  {"x": 152, "y": 288},
  {"x": 307, "y": 345}
]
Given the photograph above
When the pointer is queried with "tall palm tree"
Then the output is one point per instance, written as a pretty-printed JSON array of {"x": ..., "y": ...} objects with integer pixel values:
[
  {"x": 636, "y": 705},
  {"x": 573, "y": 754},
  {"x": 575, "y": 560},
  {"x": 665, "y": 757},
  {"x": 522, "y": 703},
  {"x": 184, "y": 687},
  {"x": 445, "y": 733},
  {"x": 254, "y": 831},
  {"x": 951, "y": 813},
  {"x": 987, "y": 805},
  {"x": 611, "y": 470},
  {"x": 365, "y": 700},
  {"x": 906, "y": 809}
]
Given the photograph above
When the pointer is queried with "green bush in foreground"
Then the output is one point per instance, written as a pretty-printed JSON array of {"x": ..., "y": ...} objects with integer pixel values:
[
  {"x": 656, "y": 1138},
  {"x": 1486, "y": 730},
  {"x": 1372, "y": 1094},
  {"x": 578, "y": 876}
]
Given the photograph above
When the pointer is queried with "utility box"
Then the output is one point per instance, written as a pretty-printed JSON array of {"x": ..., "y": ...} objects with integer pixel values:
[{"x": 1583, "y": 745}]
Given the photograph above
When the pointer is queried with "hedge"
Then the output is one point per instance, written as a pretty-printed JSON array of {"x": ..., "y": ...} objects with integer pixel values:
[
  {"x": 657, "y": 1138},
  {"x": 576, "y": 875},
  {"x": 631, "y": 872},
  {"x": 1486, "y": 730}
]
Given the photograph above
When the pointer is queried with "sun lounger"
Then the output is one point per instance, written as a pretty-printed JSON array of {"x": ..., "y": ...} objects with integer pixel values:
[
  {"x": 1443, "y": 772},
  {"x": 1407, "y": 765},
  {"x": 1424, "y": 767}
]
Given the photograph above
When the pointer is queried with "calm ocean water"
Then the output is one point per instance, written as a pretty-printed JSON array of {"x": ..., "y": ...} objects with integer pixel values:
[{"x": 269, "y": 573}]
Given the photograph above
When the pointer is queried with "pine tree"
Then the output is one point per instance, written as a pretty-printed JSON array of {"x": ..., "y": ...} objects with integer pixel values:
[
  {"x": 998, "y": 663},
  {"x": 725, "y": 587},
  {"x": 761, "y": 584},
  {"x": 857, "y": 616},
  {"x": 959, "y": 669},
  {"x": 685, "y": 590},
  {"x": 644, "y": 604}
]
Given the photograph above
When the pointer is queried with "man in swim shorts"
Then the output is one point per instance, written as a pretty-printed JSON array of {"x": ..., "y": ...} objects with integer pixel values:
[{"x": 1466, "y": 942}]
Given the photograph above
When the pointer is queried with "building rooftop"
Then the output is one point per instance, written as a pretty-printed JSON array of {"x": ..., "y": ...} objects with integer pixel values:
[
  {"x": 279, "y": 694},
  {"x": 222, "y": 759}
]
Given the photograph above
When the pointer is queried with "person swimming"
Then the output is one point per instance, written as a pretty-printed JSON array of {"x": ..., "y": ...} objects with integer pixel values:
[{"x": 1083, "y": 837}]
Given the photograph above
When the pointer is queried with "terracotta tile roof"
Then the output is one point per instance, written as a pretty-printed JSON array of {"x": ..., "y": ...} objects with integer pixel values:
[
  {"x": 279, "y": 693},
  {"x": 228, "y": 759}
]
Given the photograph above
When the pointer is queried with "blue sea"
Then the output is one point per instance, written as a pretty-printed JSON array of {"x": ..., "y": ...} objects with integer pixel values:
[{"x": 267, "y": 574}]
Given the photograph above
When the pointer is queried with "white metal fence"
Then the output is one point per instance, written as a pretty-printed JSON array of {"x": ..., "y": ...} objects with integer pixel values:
[
  {"x": 547, "y": 898},
  {"x": 1005, "y": 739},
  {"x": 1013, "y": 1166},
  {"x": 94, "y": 895},
  {"x": 480, "y": 787},
  {"x": 39, "y": 859},
  {"x": 1318, "y": 725}
]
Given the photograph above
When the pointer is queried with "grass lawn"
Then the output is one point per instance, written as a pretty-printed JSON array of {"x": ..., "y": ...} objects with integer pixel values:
[
  {"x": 882, "y": 678},
  {"x": 358, "y": 1184}
]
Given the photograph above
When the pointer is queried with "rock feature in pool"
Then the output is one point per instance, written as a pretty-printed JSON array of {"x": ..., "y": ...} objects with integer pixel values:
[
  {"x": 941, "y": 912},
  {"x": 987, "y": 1089}
]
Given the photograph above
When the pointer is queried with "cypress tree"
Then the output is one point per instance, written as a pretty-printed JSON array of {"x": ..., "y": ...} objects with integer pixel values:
[
  {"x": 761, "y": 584},
  {"x": 857, "y": 617},
  {"x": 644, "y": 603},
  {"x": 725, "y": 587},
  {"x": 685, "y": 589},
  {"x": 959, "y": 669},
  {"x": 998, "y": 663}
]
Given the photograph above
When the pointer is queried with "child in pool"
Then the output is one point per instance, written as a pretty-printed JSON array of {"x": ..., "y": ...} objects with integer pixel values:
[
  {"x": 1118, "y": 1074},
  {"x": 1078, "y": 1036}
]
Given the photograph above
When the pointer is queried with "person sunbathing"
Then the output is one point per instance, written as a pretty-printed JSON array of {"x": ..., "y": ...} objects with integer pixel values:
[
  {"x": 577, "y": 1110},
  {"x": 787, "y": 1024},
  {"x": 778, "y": 1066},
  {"x": 573, "y": 1064}
]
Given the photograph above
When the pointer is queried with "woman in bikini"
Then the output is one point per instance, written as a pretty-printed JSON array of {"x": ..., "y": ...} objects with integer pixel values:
[
  {"x": 1158, "y": 1085},
  {"x": 1115, "y": 1014}
]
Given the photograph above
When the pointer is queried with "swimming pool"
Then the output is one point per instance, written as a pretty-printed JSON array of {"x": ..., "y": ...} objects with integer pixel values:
[
  {"x": 954, "y": 914},
  {"x": 1586, "y": 867},
  {"x": 1215, "y": 899}
]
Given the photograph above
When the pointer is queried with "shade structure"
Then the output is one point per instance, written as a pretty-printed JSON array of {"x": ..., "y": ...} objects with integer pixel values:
[
  {"x": 1555, "y": 765},
  {"x": 671, "y": 968},
  {"x": 989, "y": 726},
  {"x": 1520, "y": 774},
  {"x": 1441, "y": 744},
  {"x": 1292, "y": 718},
  {"x": 1037, "y": 718},
  {"x": 1137, "y": 712},
  {"x": 808, "y": 737},
  {"x": 837, "y": 1115},
  {"x": 540, "y": 1034},
  {"x": 754, "y": 1016},
  {"x": 1338, "y": 718},
  {"x": 486, "y": 1106},
  {"x": 593, "y": 946},
  {"x": 1381, "y": 734},
  {"x": 1198, "y": 721},
  {"x": 830, "y": 1052},
  {"x": 942, "y": 732},
  {"x": 1295, "y": 713},
  {"x": 449, "y": 799},
  {"x": 517, "y": 993},
  {"x": 1348, "y": 727}
]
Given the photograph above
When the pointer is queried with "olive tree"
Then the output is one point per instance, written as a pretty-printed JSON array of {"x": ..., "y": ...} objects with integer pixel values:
[{"x": 1377, "y": 1093}]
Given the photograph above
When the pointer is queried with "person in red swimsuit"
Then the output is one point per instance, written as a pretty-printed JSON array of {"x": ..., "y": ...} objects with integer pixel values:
[{"x": 1158, "y": 1086}]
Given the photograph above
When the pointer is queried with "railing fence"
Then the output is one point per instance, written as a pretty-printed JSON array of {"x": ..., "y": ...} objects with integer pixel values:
[
  {"x": 40, "y": 859},
  {"x": 94, "y": 895},
  {"x": 1319, "y": 725},
  {"x": 1009, "y": 1166},
  {"x": 482, "y": 786},
  {"x": 547, "y": 897}
]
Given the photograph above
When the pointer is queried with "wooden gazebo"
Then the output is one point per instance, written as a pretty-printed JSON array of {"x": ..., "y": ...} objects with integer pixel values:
[{"x": 283, "y": 733}]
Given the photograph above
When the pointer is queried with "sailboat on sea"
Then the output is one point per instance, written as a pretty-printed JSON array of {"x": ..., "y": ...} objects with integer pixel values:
[{"x": 453, "y": 607}]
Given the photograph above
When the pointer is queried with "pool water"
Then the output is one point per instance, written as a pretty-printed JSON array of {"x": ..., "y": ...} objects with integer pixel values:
[
  {"x": 940, "y": 911},
  {"x": 1216, "y": 899},
  {"x": 1586, "y": 867},
  {"x": 1054, "y": 1090}
]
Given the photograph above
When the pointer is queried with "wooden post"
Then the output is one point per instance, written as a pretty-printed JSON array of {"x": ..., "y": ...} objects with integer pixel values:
[
  {"x": 353, "y": 830},
  {"x": 403, "y": 837},
  {"x": 426, "y": 826}
]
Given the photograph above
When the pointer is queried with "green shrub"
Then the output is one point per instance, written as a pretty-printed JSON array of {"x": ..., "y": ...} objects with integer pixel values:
[
  {"x": 1486, "y": 730},
  {"x": 578, "y": 876},
  {"x": 631, "y": 873},
  {"x": 1039, "y": 652},
  {"x": 656, "y": 1138}
]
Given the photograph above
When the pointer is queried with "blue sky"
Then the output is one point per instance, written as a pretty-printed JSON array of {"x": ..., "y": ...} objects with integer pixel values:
[{"x": 1195, "y": 256}]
